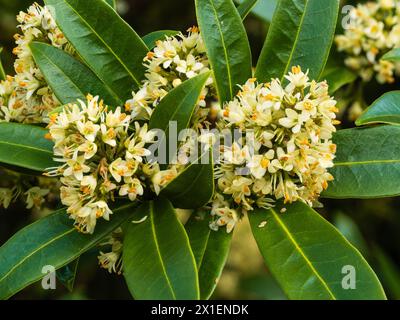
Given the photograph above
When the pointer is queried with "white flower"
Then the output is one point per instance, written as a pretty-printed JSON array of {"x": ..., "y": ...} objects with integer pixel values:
[
  {"x": 132, "y": 188},
  {"x": 88, "y": 184},
  {"x": 108, "y": 135},
  {"x": 225, "y": 217},
  {"x": 293, "y": 120},
  {"x": 6, "y": 196},
  {"x": 121, "y": 168},
  {"x": 76, "y": 167},
  {"x": 162, "y": 178},
  {"x": 88, "y": 129},
  {"x": 35, "y": 197},
  {"x": 259, "y": 164}
]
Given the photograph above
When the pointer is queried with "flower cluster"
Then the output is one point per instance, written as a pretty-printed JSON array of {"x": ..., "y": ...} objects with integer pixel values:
[
  {"x": 374, "y": 30},
  {"x": 288, "y": 152},
  {"x": 26, "y": 97},
  {"x": 99, "y": 159},
  {"x": 34, "y": 191},
  {"x": 170, "y": 63}
]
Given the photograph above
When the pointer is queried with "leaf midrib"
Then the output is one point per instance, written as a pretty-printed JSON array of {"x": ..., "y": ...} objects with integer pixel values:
[
  {"x": 25, "y": 147},
  {"x": 44, "y": 246},
  {"x": 228, "y": 65},
  {"x": 154, "y": 234},
  {"x": 106, "y": 45},
  {"x": 111, "y": 91},
  {"x": 367, "y": 162},
  {"x": 302, "y": 253},
  {"x": 296, "y": 40}
]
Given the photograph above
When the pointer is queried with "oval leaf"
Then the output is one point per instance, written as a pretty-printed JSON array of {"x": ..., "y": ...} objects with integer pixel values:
[
  {"x": 307, "y": 255},
  {"x": 367, "y": 163},
  {"x": 157, "y": 260},
  {"x": 25, "y": 146},
  {"x": 179, "y": 104},
  {"x": 177, "y": 107},
  {"x": 68, "y": 78},
  {"x": 151, "y": 38},
  {"x": 210, "y": 249},
  {"x": 226, "y": 43},
  {"x": 52, "y": 240},
  {"x": 384, "y": 110},
  {"x": 293, "y": 39},
  {"x": 193, "y": 187},
  {"x": 108, "y": 44}
]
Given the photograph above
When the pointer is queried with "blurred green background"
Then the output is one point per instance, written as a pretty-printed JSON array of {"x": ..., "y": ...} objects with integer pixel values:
[{"x": 372, "y": 225}]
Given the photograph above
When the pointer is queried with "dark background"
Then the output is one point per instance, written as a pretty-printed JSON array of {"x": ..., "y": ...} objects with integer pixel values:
[{"x": 372, "y": 225}]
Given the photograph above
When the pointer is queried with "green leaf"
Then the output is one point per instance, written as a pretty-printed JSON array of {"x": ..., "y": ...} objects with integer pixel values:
[
  {"x": 264, "y": 9},
  {"x": 226, "y": 43},
  {"x": 392, "y": 55},
  {"x": 105, "y": 42},
  {"x": 210, "y": 249},
  {"x": 293, "y": 39},
  {"x": 52, "y": 240},
  {"x": 245, "y": 8},
  {"x": 384, "y": 110},
  {"x": 157, "y": 260},
  {"x": 151, "y": 38},
  {"x": 112, "y": 3},
  {"x": 307, "y": 255},
  {"x": 68, "y": 78},
  {"x": 66, "y": 275},
  {"x": 2, "y": 73},
  {"x": 178, "y": 106},
  {"x": 194, "y": 186},
  {"x": 367, "y": 163},
  {"x": 25, "y": 146}
]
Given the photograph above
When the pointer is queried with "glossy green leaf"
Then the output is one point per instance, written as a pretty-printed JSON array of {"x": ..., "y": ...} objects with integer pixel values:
[
  {"x": 367, "y": 163},
  {"x": 245, "y": 7},
  {"x": 151, "y": 38},
  {"x": 210, "y": 249},
  {"x": 264, "y": 9},
  {"x": 157, "y": 259},
  {"x": 308, "y": 256},
  {"x": 112, "y": 3},
  {"x": 108, "y": 44},
  {"x": 66, "y": 275},
  {"x": 194, "y": 186},
  {"x": 2, "y": 72},
  {"x": 393, "y": 55},
  {"x": 25, "y": 146},
  {"x": 52, "y": 240},
  {"x": 178, "y": 106},
  {"x": 384, "y": 110},
  {"x": 226, "y": 44},
  {"x": 69, "y": 79},
  {"x": 293, "y": 39}
]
